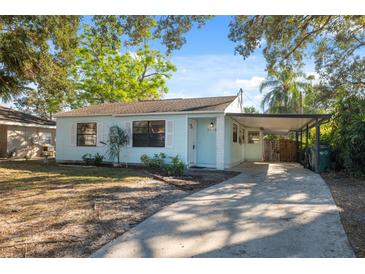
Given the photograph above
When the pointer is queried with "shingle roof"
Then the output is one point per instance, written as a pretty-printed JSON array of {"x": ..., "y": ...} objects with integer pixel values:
[
  {"x": 218, "y": 104},
  {"x": 15, "y": 116}
]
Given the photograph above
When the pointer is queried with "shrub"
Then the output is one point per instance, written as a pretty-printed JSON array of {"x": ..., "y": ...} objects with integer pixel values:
[
  {"x": 91, "y": 160},
  {"x": 98, "y": 159},
  {"x": 156, "y": 162},
  {"x": 88, "y": 158},
  {"x": 117, "y": 139},
  {"x": 176, "y": 167},
  {"x": 347, "y": 138}
]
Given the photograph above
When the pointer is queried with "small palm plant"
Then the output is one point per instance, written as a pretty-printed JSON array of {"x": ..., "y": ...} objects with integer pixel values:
[{"x": 117, "y": 139}]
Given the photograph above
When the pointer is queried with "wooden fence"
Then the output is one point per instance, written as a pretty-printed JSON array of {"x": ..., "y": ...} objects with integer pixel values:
[{"x": 280, "y": 150}]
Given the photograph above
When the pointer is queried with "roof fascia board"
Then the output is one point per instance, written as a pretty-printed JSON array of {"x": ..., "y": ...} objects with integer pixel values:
[
  {"x": 146, "y": 114},
  {"x": 280, "y": 115},
  {"x": 25, "y": 124}
]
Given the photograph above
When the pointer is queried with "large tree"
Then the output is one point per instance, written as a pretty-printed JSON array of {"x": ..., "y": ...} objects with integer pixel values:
[
  {"x": 335, "y": 42},
  {"x": 35, "y": 53},
  {"x": 285, "y": 91},
  {"x": 106, "y": 72},
  {"x": 37, "y": 56}
]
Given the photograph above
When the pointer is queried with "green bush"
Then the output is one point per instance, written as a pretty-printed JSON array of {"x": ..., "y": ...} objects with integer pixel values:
[
  {"x": 176, "y": 167},
  {"x": 98, "y": 159},
  {"x": 348, "y": 134},
  {"x": 91, "y": 160},
  {"x": 156, "y": 162}
]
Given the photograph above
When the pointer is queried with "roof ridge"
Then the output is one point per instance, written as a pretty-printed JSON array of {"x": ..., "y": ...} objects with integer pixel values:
[{"x": 209, "y": 103}]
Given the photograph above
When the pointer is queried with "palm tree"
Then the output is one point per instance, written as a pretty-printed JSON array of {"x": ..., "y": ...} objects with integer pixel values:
[{"x": 285, "y": 92}]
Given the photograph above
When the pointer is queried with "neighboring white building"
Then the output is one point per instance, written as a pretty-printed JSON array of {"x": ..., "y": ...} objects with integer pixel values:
[
  {"x": 206, "y": 132},
  {"x": 22, "y": 134}
]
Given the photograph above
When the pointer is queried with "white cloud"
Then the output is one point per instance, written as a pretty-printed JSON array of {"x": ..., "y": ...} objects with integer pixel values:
[
  {"x": 246, "y": 84},
  {"x": 215, "y": 75}
]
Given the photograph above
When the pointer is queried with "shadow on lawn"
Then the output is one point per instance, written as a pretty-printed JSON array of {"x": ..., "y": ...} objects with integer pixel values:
[{"x": 68, "y": 211}]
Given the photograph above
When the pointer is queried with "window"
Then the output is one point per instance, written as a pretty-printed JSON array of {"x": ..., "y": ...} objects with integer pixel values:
[
  {"x": 242, "y": 136},
  {"x": 86, "y": 134},
  {"x": 149, "y": 133},
  {"x": 46, "y": 138},
  {"x": 235, "y": 133},
  {"x": 253, "y": 137}
]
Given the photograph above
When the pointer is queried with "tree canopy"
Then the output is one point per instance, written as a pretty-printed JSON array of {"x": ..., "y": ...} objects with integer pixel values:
[
  {"x": 40, "y": 54},
  {"x": 35, "y": 53},
  {"x": 336, "y": 44},
  {"x": 104, "y": 73}
]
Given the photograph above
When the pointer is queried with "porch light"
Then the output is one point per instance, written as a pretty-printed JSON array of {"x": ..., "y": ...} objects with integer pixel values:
[{"x": 211, "y": 126}]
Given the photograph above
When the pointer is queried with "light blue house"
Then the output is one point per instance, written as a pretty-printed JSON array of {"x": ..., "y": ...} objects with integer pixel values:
[
  {"x": 210, "y": 132},
  {"x": 196, "y": 129}
]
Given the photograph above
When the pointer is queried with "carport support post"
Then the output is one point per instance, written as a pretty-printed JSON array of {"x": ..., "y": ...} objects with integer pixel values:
[
  {"x": 307, "y": 137},
  {"x": 317, "y": 145},
  {"x": 296, "y": 143}
]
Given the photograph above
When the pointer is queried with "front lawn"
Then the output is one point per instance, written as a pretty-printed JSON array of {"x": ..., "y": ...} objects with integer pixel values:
[{"x": 48, "y": 210}]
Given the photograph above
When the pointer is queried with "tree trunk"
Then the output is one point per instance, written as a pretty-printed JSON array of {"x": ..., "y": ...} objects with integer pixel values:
[{"x": 300, "y": 102}]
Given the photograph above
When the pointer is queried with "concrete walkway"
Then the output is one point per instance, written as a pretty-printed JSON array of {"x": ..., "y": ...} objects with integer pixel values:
[{"x": 270, "y": 210}]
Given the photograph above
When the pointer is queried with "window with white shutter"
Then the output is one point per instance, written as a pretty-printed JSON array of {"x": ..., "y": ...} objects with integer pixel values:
[
  {"x": 73, "y": 134},
  {"x": 128, "y": 128},
  {"x": 100, "y": 134},
  {"x": 169, "y": 134}
]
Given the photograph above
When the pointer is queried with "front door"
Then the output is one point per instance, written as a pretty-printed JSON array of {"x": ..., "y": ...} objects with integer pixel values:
[{"x": 192, "y": 142}]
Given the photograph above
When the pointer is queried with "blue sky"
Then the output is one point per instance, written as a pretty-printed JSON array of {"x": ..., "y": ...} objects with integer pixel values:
[{"x": 206, "y": 66}]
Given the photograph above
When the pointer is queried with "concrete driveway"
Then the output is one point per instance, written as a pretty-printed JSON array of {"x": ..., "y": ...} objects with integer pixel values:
[{"x": 269, "y": 210}]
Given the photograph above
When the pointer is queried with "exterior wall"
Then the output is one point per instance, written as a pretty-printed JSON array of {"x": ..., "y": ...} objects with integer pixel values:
[
  {"x": 235, "y": 153},
  {"x": 235, "y": 107},
  {"x": 253, "y": 152},
  {"x": 66, "y": 151},
  {"x": 206, "y": 143},
  {"x": 3, "y": 140},
  {"x": 26, "y": 141}
]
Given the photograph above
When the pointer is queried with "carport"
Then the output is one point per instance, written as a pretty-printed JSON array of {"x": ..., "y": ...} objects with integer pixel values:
[{"x": 283, "y": 124}]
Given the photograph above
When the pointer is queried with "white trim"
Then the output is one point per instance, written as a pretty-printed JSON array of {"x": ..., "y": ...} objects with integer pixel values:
[
  {"x": 220, "y": 142},
  {"x": 25, "y": 124},
  {"x": 144, "y": 114}
]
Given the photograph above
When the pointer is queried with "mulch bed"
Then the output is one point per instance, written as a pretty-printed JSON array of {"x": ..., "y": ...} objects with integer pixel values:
[{"x": 349, "y": 195}]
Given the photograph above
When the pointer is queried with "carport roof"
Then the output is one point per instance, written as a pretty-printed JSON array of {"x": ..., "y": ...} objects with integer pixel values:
[{"x": 278, "y": 123}]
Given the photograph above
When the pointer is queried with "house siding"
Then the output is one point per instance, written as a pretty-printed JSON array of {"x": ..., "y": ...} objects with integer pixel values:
[
  {"x": 68, "y": 152},
  {"x": 23, "y": 141},
  {"x": 235, "y": 153}
]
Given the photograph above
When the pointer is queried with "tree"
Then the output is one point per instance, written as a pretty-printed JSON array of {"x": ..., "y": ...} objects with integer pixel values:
[
  {"x": 117, "y": 139},
  {"x": 335, "y": 42},
  {"x": 250, "y": 110},
  {"x": 35, "y": 53},
  {"x": 285, "y": 94},
  {"x": 103, "y": 73},
  {"x": 347, "y": 134}
]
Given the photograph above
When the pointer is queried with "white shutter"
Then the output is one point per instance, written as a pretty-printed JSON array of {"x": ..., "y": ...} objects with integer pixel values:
[
  {"x": 99, "y": 134},
  {"x": 73, "y": 134},
  {"x": 169, "y": 134},
  {"x": 128, "y": 128}
]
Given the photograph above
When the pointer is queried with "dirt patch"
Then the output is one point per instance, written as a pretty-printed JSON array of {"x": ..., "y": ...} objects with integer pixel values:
[
  {"x": 195, "y": 180},
  {"x": 50, "y": 210},
  {"x": 349, "y": 195}
]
